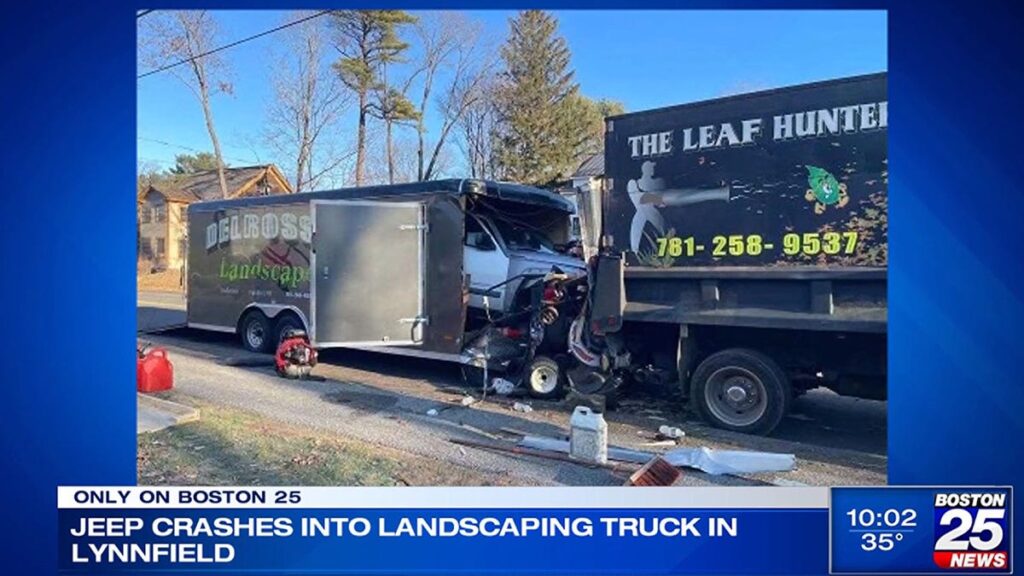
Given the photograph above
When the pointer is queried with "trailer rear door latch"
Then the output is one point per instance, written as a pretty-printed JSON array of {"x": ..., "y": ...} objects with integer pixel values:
[{"x": 422, "y": 320}]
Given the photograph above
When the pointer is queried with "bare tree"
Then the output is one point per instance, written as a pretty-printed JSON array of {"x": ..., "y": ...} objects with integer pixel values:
[
  {"x": 477, "y": 131},
  {"x": 309, "y": 101},
  {"x": 392, "y": 106},
  {"x": 402, "y": 165},
  {"x": 449, "y": 42},
  {"x": 437, "y": 41},
  {"x": 182, "y": 35}
]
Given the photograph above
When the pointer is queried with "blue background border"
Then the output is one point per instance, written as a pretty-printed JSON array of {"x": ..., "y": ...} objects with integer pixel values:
[{"x": 68, "y": 249}]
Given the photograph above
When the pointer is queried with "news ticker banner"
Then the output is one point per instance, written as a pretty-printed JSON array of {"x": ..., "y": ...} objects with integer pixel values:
[{"x": 614, "y": 530}]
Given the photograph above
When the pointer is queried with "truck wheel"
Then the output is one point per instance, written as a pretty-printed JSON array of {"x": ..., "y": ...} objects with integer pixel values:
[
  {"x": 741, "y": 390},
  {"x": 255, "y": 331},
  {"x": 544, "y": 378},
  {"x": 286, "y": 321}
]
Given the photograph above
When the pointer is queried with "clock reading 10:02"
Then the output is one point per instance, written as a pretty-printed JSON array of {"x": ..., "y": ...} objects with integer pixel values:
[{"x": 881, "y": 530}]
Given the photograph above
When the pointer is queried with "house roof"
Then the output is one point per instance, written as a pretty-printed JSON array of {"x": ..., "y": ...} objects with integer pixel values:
[
  {"x": 203, "y": 186},
  {"x": 591, "y": 167}
]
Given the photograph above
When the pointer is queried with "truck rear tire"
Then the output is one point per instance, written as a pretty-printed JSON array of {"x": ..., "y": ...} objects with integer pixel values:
[
  {"x": 255, "y": 332},
  {"x": 740, "y": 390}
]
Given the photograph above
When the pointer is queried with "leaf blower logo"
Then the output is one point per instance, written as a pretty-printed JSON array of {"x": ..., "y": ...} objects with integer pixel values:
[{"x": 824, "y": 189}]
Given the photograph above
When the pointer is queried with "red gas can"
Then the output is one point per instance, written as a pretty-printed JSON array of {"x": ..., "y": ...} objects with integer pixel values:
[{"x": 154, "y": 371}]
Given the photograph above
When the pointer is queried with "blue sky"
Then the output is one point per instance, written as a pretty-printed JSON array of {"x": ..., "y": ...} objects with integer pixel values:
[{"x": 645, "y": 59}]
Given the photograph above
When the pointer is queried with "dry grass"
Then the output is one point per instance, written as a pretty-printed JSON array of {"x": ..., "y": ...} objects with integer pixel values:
[
  {"x": 166, "y": 281},
  {"x": 234, "y": 447}
]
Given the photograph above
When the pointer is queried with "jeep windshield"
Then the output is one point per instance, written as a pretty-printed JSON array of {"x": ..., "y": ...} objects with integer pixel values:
[{"x": 520, "y": 237}]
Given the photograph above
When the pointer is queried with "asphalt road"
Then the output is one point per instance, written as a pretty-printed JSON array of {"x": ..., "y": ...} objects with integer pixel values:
[{"x": 384, "y": 399}]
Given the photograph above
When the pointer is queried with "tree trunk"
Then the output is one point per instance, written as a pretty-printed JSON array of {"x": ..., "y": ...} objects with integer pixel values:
[
  {"x": 437, "y": 151},
  {"x": 204, "y": 98},
  {"x": 420, "y": 129},
  {"x": 361, "y": 139},
  {"x": 391, "y": 153}
]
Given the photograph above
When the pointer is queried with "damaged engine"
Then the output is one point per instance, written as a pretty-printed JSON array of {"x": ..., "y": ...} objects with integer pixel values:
[{"x": 547, "y": 342}]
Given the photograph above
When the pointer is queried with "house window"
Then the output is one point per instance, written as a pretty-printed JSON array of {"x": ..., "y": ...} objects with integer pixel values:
[
  {"x": 146, "y": 248},
  {"x": 145, "y": 215},
  {"x": 160, "y": 213},
  {"x": 161, "y": 248}
]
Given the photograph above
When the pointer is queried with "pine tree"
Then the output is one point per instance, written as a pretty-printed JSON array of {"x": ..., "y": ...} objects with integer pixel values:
[
  {"x": 538, "y": 128},
  {"x": 367, "y": 41}
]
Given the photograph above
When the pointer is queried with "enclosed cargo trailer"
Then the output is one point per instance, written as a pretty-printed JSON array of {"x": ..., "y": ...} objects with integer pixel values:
[
  {"x": 377, "y": 266},
  {"x": 753, "y": 235}
]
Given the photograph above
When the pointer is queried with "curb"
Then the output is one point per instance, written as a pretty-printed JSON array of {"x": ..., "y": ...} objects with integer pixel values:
[{"x": 179, "y": 412}]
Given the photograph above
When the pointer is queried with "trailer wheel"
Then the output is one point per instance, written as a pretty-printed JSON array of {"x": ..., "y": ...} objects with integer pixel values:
[
  {"x": 544, "y": 378},
  {"x": 741, "y": 390},
  {"x": 255, "y": 331},
  {"x": 286, "y": 321}
]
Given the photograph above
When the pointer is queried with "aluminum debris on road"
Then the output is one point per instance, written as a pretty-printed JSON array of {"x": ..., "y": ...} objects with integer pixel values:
[{"x": 714, "y": 462}]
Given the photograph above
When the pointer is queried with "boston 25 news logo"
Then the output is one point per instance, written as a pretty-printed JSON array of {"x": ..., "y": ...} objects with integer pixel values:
[{"x": 972, "y": 531}]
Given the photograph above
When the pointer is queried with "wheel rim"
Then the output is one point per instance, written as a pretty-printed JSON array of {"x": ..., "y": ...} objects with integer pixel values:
[
  {"x": 544, "y": 379},
  {"x": 254, "y": 334},
  {"x": 736, "y": 396},
  {"x": 283, "y": 329}
]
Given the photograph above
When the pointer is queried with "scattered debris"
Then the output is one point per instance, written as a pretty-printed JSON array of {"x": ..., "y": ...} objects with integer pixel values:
[
  {"x": 717, "y": 462},
  {"x": 671, "y": 432},
  {"x": 553, "y": 455},
  {"x": 479, "y": 431},
  {"x": 714, "y": 462},
  {"x": 657, "y": 472},
  {"x": 432, "y": 412},
  {"x": 468, "y": 400},
  {"x": 588, "y": 440},
  {"x": 596, "y": 402},
  {"x": 521, "y": 407},
  {"x": 665, "y": 443},
  {"x": 502, "y": 386},
  {"x": 556, "y": 445}
]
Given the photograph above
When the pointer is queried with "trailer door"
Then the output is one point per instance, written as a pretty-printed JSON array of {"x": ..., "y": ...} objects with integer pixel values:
[{"x": 368, "y": 268}]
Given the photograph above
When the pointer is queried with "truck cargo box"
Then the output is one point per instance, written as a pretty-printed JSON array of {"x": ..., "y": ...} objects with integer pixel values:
[{"x": 790, "y": 177}]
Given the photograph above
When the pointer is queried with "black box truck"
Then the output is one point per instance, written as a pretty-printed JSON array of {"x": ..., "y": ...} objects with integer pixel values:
[{"x": 752, "y": 236}]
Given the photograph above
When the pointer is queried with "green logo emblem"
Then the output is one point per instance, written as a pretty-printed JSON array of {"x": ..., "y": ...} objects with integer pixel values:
[{"x": 824, "y": 189}]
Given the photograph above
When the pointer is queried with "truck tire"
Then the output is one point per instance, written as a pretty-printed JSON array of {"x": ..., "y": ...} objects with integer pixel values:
[
  {"x": 286, "y": 321},
  {"x": 255, "y": 332},
  {"x": 545, "y": 378},
  {"x": 740, "y": 390}
]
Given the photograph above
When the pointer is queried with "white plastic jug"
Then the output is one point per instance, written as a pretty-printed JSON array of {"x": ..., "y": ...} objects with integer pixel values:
[{"x": 589, "y": 438}]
